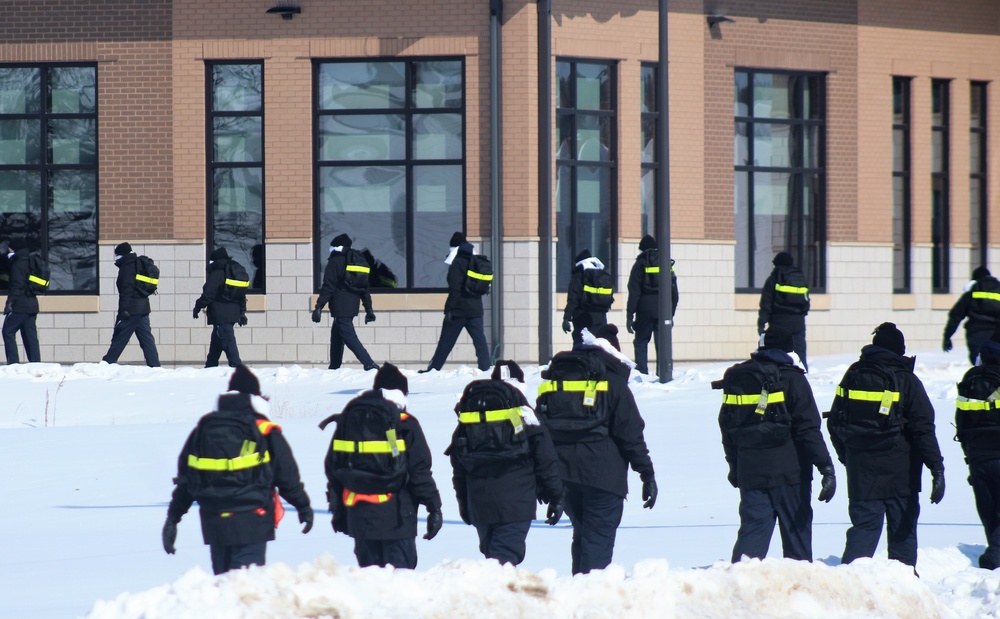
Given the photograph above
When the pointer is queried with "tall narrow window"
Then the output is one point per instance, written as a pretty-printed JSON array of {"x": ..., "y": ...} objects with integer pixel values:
[
  {"x": 779, "y": 184},
  {"x": 390, "y": 162},
  {"x": 585, "y": 164},
  {"x": 940, "y": 206},
  {"x": 978, "y": 198},
  {"x": 48, "y": 168},
  {"x": 650, "y": 118},
  {"x": 236, "y": 164},
  {"x": 901, "y": 207}
]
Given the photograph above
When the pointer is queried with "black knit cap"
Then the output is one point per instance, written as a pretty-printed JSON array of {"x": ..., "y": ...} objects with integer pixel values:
[
  {"x": 17, "y": 244},
  {"x": 980, "y": 273},
  {"x": 513, "y": 370},
  {"x": 456, "y": 239},
  {"x": 777, "y": 337},
  {"x": 341, "y": 240},
  {"x": 890, "y": 338},
  {"x": 583, "y": 255},
  {"x": 244, "y": 381},
  {"x": 783, "y": 259},
  {"x": 123, "y": 249},
  {"x": 219, "y": 254},
  {"x": 609, "y": 332},
  {"x": 389, "y": 377},
  {"x": 647, "y": 242}
]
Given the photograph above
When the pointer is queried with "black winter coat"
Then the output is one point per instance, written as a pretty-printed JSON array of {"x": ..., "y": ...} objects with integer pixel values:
[
  {"x": 510, "y": 494},
  {"x": 982, "y": 314},
  {"x": 640, "y": 302},
  {"x": 343, "y": 303},
  {"x": 792, "y": 462},
  {"x": 129, "y": 299},
  {"x": 981, "y": 441},
  {"x": 894, "y": 472},
  {"x": 575, "y": 311},
  {"x": 396, "y": 518},
  {"x": 774, "y": 312},
  {"x": 20, "y": 298},
  {"x": 219, "y": 312},
  {"x": 460, "y": 303},
  {"x": 248, "y": 526},
  {"x": 604, "y": 463}
]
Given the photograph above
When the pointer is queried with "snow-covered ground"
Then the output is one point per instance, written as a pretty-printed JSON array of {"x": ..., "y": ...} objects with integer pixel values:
[{"x": 90, "y": 450}]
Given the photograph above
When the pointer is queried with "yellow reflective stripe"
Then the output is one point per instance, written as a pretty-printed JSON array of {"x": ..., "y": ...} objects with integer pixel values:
[
  {"x": 148, "y": 280},
  {"x": 38, "y": 280},
  {"x": 652, "y": 269},
  {"x": 243, "y": 461},
  {"x": 790, "y": 289},
  {"x": 368, "y": 447},
  {"x": 358, "y": 268},
  {"x": 391, "y": 283},
  {"x": 513, "y": 415},
  {"x": 752, "y": 399},
  {"x": 352, "y": 498},
  {"x": 992, "y": 296},
  {"x": 237, "y": 283},
  {"x": 482, "y": 276},
  {"x": 572, "y": 385},
  {"x": 593, "y": 290},
  {"x": 866, "y": 396},
  {"x": 967, "y": 404}
]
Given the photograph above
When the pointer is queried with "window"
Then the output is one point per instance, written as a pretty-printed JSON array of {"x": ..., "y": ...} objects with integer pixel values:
[
  {"x": 390, "y": 162},
  {"x": 48, "y": 168},
  {"x": 901, "y": 206},
  {"x": 585, "y": 164},
  {"x": 236, "y": 164},
  {"x": 940, "y": 207},
  {"x": 779, "y": 176},
  {"x": 650, "y": 119},
  {"x": 978, "y": 202}
]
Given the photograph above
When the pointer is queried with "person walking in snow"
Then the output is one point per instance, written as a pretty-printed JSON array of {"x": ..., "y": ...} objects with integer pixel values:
[
  {"x": 784, "y": 302},
  {"x": 236, "y": 463},
  {"x": 224, "y": 299},
  {"x": 980, "y": 304},
  {"x": 502, "y": 460},
  {"x": 589, "y": 296},
  {"x": 21, "y": 310},
  {"x": 642, "y": 310},
  {"x": 133, "y": 311},
  {"x": 772, "y": 440}
]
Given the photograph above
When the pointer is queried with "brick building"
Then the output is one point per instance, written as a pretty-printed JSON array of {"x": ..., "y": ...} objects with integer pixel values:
[{"x": 857, "y": 135}]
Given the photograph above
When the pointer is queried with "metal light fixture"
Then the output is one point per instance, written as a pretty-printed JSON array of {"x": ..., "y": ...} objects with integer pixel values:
[
  {"x": 287, "y": 11},
  {"x": 715, "y": 20}
]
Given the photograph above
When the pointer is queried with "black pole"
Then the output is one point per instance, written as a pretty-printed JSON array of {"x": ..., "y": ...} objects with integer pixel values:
[
  {"x": 664, "y": 351},
  {"x": 496, "y": 170},
  {"x": 545, "y": 300}
]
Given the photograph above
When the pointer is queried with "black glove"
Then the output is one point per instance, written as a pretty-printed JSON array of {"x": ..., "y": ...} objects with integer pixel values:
[
  {"x": 649, "y": 493},
  {"x": 306, "y": 518},
  {"x": 829, "y": 484},
  {"x": 463, "y": 511},
  {"x": 567, "y": 326},
  {"x": 434, "y": 522},
  {"x": 169, "y": 535},
  {"x": 946, "y": 345},
  {"x": 937, "y": 485},
  {"x": 243, "y": 320},
  {"x": 554, "y": 512},
  {"x": 317, "y": 315},
  {"x": 733, "y": 481},
  {"x": 629, "y": 324},
  {"x": 447, "y": 317},
  {"x": 196, "y": 310},
  {"x": 369, "y": 317},
  {"x": 339, "y": 520},
  {"x": 123, "y": 315}
]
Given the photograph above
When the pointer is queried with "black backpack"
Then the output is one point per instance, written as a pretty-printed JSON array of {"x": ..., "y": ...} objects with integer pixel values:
[
  {"x": 490, "y": 434},
  {"x": 234, "y": 288},
  {"x": 597, "y": 290},
  {"x": 229, "y": 462},
  {"x": 356, "y": 272},
  {"x": 573, "y": 400},
  {"x": 147, "y": 276},
  {"x": 367, "y": 454},
  {"x": 977, "y": 410},
  {"x": 985, "y": 303},
  {"x": 866, "y": 413},
  {"x": 478, "y": 276},
  {"x": 791, "y": 291},
  {"x": 649, "y": 260},
  {"x": 381, "y": 276},
  {"x": 754, "y": 412},
  {"x": 39, "y": 275}
]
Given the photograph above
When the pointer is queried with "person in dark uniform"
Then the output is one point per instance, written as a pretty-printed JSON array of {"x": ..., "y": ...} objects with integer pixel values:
[
  {"x": 384, "y": 526},
  {"x": 771, "y": 448},
  {"x": 21, "y": 310},
  {"x": 238, "y": 515},
  {"x": 595, "y": 470},
  {"x": 784, "y": 302},
  {"x": 884, "y": 467},
  {"x": 980, "y": 304},
  {"x": 462, "y": 310},
  {"x": 642, "y": 309},
  {"x": 579, "y": 314},
  {"x": 496, "y": 486},
  {"x": 344, "y": 307},
  {"x": 133, "y": 311},
  {"x": 222, "y": 314}
]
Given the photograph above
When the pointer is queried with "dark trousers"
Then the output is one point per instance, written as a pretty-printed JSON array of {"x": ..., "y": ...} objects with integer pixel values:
[
  {"x": 139, "y": 325},
  {"x": 985, "y": 477},
  {"x": 25, "y": 323},
  {"x": 900, "y": 513},
  {"x": 799, "y": 346},
  {"x": 974, "y": 339},
  {"x": 342, "y": 334},
  {"x": 595, "y": 515},
  {"x": 790, "y": 506},
  {"x": 223, "y": 340},
  {"x": 225, "y": 558},
  {"x": 449, "y": 335},
  {"x": 504, "y": 541},
  {"x": 645, "y": 326},
  {"x": 399, "y": 553}
]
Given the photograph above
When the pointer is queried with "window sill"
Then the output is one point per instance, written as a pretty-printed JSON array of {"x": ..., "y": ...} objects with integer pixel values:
[
  {"x": 66, "y": 304},
  {"x": 407, "y": 301}
]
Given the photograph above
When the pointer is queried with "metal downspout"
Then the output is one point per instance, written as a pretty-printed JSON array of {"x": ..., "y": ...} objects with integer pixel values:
[
  {"x": 545, "y": 298},
  {"x": 664, "y": 353},
  {"x": 496, "y": 183}
]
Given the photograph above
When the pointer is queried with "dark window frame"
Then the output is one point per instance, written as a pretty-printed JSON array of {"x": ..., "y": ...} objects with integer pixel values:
[
  {"x": 904, "y": 85},
  {"x": 980, "y": 90},
  {"x": 649, "y": 219},
  {"x": 940, "y": 182}
]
